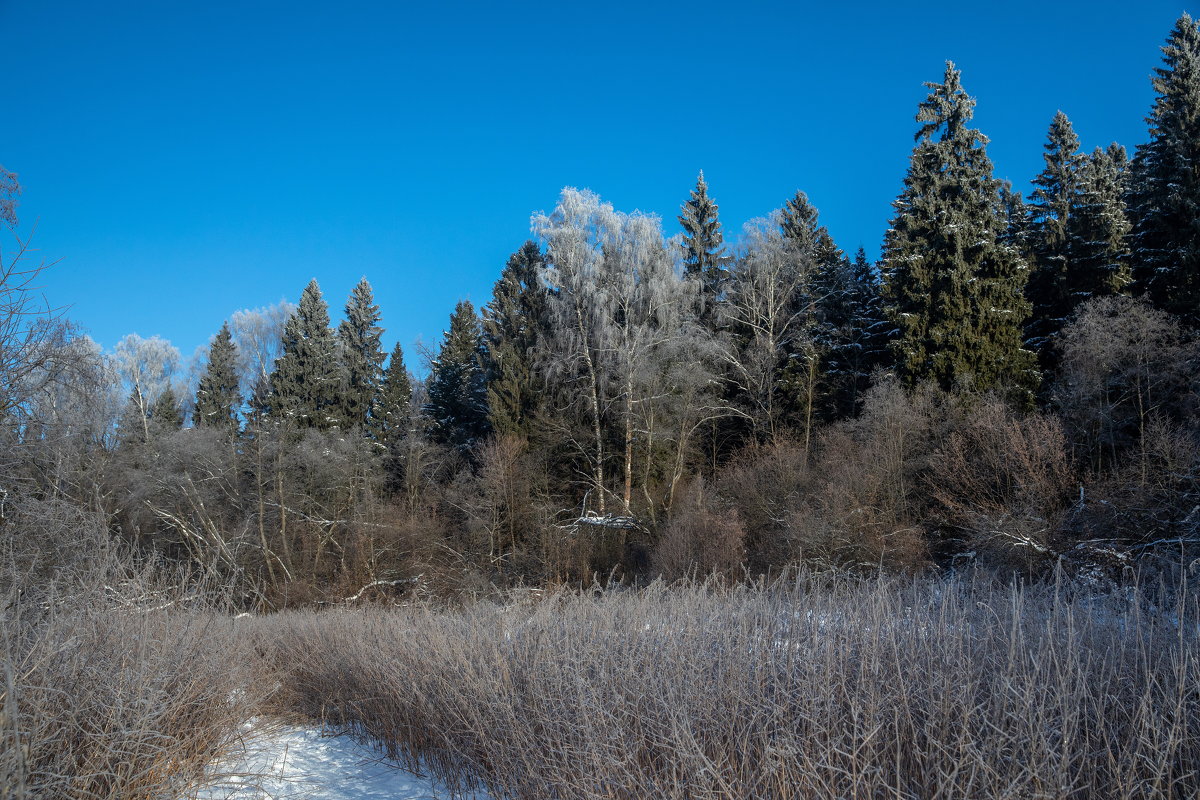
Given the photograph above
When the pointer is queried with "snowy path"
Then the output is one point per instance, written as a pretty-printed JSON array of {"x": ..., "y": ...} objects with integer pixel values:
[{"x": 296, "y": 763}]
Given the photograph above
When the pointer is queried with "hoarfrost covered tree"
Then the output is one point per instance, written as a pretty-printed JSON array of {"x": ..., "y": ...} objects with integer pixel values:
[
  {"x": 457, "y": 385},
  {"x": 258, "y": 335},
  {"x": 362, "y": 355},
  {"x": 217, "y": 398},
  {"x": 621, "y": 315},
  {"x": 515, "y": 327},
  {"x": 146, "y": 367},
  {"x": 703, "y": 248},
  {"x": 1164, "y": 197},
  {"x": 306, "y": 381},
  {"x": 1099, "y": 228},
  {"x": 391, "y": 417},
  {"x": 955, "y": 289}
]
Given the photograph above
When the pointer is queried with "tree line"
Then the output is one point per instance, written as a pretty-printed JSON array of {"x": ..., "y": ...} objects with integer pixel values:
[{"x": 1014, "y": 382}]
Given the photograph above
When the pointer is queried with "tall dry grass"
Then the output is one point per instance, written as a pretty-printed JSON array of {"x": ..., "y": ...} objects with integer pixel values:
[
  {"x": 115, "y": 682},
  {"x": 815, "y": 687}
]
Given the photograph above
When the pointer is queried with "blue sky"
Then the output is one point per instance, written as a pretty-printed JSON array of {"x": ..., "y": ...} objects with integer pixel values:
[{"x": 184, "y": 160}]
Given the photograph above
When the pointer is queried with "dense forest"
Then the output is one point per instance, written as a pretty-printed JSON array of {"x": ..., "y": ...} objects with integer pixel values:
[{"x": 1013, "y": 385}]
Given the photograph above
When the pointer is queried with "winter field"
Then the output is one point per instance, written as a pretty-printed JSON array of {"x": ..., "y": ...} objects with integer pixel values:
[{"x": 818, "y": 686}]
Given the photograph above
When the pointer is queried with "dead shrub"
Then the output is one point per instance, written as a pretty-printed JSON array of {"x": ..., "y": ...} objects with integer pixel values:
[{"x": 701, "y": 538}]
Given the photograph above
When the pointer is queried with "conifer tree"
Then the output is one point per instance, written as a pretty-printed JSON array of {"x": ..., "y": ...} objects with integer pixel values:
[
  {"x": 1099, "y": 228},
  {"x": 457, "y": 386},
  {"x": 1049, "y": 290},
  {"x": 306, "y": 380},
  {"x": 390, "y": 417},
  {"x": 515, "y": 324},
  {"x": 956, "y": 290},
  {"x": 217, "y": 397},
  {"x": 860, "y": 346},
  {"x": 362, "y": 355},
  {"x": 165, "y": 414},
  {"x": 1164, "y": 201},
  {"x": 703, "y": 241}
]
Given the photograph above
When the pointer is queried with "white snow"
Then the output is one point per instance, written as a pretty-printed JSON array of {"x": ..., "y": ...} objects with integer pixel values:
[{"x": 294, "y": 762}]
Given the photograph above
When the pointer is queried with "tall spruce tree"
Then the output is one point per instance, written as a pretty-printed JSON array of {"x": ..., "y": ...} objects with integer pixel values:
[
  {"x": 457, "y": 385},
  {"x": 1099, "y": 228},
  {"x": 1049, "y": 290},
  {"x": 391, "y": 416},
  {"x": 955, "y": 289},
  {"x": 515, "y": 325},
  {"x": 165, "y": 415},
  {"x": 860, "y": 345},
  {"x": 1164, "y": 199},
  {"x": 703, "y": 241},
  {"x": 306, "y": 381},
  {"x": 362, "y": 355},
  {"x": 217, "y": 398}
]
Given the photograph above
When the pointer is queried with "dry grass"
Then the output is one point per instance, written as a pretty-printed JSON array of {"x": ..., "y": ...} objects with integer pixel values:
[
  {"x": 819, "y": 687},
  {"x": 115, "y": 691}
]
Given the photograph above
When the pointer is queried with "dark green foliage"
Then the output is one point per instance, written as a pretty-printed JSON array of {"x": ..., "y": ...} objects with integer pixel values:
[
  {"x": 859, "y": 345},
  {"x": 702, "y": 240},
  {"x": 165, "y": 414},
  {"x": 457, "y": 386},
  {"x": 306, "y": 382},
  {"x": 516, "y": 327},
  {"x": 1049, "y": 288},
  {"x": 956, "y": 290},
  {"x": 362, "y": 355},
  {"x": 391, "y": 416},
  {"x": 1099, "y": 228},
  {"x": 1164, "y": 200},
  {"x": 217, "y": 397}
]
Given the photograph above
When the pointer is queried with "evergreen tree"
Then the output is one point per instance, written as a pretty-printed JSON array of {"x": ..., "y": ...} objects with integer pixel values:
[
  {"x": 457, "y": 386},
  {"x": 515, "y": 325},
  {"x": 1049, "y": 288},
  {"x": 702, "y": 241},
  {"x": 956, "y": 290},
  {"x": 1099, "y": 229},
  {"x": 860, "y": 346},
  {"x": 1164, "y": 201},
  {"x": 390, "y": 417},
  {"x": 165, "y": 414},
  {"x": 217, "y": 397},
  {"x": 306, "y": 380},
  {"x": 362, "y": 355}
]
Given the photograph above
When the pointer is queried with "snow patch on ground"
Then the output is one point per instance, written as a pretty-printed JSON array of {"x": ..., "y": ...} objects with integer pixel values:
[{"x": 294, "y": 763}]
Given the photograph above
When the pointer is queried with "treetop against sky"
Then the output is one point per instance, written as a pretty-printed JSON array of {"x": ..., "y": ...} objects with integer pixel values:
[{"x": 185, "y": 161}]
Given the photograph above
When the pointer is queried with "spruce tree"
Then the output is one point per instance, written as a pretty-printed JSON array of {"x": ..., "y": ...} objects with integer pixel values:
[
  {"x": 860, "y": 346},
  {"x": 457, "y": 385},
  {"x": 217, "y": 397},
  {"x": 955, "y": 288},
  {"x": 306, "y": 381},
  {"x": 165, "y": 414},
  {"x": 390, "y": 417},
  {"x": 1049, "y": 290},
  {"x": 362, "y": 355},
  {"x": 515, "y": 326},
  {"x": 702, "y": 241},
  {"x": 1164, "y": 200},
  {"x": 1099, "y": 229}
]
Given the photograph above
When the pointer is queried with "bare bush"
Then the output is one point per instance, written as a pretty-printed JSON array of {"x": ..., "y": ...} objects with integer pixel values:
[
  {"x": 818, "y": 687},
  {"x": 701, "y": 538}
]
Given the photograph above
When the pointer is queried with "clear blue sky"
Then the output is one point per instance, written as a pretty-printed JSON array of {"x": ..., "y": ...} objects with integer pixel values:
[{"x": 183, "y": 160}]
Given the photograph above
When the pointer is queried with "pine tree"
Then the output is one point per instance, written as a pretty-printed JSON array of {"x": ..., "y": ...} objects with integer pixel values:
[
  {"x": 390, "y": 417},
  {"x": 1164, "y": 200},
  {"x": 702, "y": 241},
  {"x": 860, "y": 346},
  {"x": 1049, "y": 290},
  {"x": 165, "y": 414},
  {"x": 306, "y": 380},
  {"x": 1099, "y": 229},
  {"x": 217, "y": 396},
  {"x": 362, "y": 355},
  {"x": 955, "y": 289},
  {"x": 457, "y": 386},
  {"x": 515, "y": 325}
]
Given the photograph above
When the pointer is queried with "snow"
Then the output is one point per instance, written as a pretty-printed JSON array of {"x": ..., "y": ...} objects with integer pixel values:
[{"x": 295, "y": 763}]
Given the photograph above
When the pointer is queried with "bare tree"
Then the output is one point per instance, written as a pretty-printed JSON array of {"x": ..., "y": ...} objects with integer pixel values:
[{"x": 146, "y": 367}]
